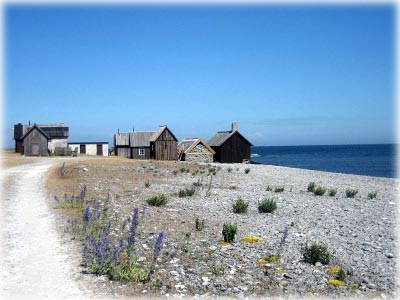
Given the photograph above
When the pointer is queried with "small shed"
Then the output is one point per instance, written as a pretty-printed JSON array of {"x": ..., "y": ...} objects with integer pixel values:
[
  {"x": 230, "y": 146},
  {"x": 90, "y": 148},
  {"x": 35, "y": 142},
  {"x": 195, "y": 150},
  {"x": 164, "y": 145}
]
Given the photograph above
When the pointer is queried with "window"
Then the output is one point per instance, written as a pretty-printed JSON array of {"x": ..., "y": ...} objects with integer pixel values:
[{"x": 141, "y": 151}]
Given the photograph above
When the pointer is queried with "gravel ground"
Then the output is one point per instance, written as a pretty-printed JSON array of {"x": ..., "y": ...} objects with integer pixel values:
[{"x": 361, "y": 232}]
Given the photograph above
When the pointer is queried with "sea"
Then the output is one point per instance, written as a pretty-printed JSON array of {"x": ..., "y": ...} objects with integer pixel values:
[{"x": 369, "y": 160}]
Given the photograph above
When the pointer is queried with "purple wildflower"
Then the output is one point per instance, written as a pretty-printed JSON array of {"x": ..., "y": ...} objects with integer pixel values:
[
  {"x": 87, "y": 215},
  {"x": 158, "y": 245},
  {"x": 56, "y": 199}
]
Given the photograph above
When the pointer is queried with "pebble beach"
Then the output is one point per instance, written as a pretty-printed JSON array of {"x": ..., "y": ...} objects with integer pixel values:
[{"x": 360, "y": 232}]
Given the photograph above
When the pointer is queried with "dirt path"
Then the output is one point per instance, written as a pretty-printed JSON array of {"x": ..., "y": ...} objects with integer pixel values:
[{"x": 34, "y": 263}]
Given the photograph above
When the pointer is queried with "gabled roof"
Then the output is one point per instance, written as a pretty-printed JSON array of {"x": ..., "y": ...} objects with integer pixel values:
[
  {"x": 159, "y": 131},
  {"x": 140, "y": 138},
  {"x": 39, "y": 129},
  {"x": 187, "y": 145},
  {"x": 56, "y": 131},
  {"x": 222, "y": 136}
]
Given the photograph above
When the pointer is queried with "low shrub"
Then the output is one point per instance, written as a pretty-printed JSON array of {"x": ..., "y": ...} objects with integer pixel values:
[
  {"x": 319, "y": 191},
  {"x": 247, "y": 170},
  {"x": 311, "y": 187},
  {"x": 229, "y": 232},
  {"x": 268, "y": 189},
  {"x": 316, "y": 252},
  {"x": 229, "y": 169},
  {"x": 332, "y": 192},
  {"x": 372, "y": 195},
  {"x": 199, "y": 224},
  {"x": 279, "y": 189},
  {"x": 158, "y": 200},
  {"x": 350, "y": 193},
  {"x": 267, "y": 205},
  {"x": 240, "y": 206},
  {"x": 186, "y": 193},
  {"x": 147, "y": 184}
]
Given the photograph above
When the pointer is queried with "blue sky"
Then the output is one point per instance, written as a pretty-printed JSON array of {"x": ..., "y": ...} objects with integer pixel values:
[{"x": 289, "y": 75}]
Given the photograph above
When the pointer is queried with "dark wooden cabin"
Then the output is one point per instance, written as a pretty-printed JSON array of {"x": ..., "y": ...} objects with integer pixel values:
[
  {"x": 230, "y": 146},
  {"x": 140, "y": 144},
  {"x": 164, "y": 145},
  {"x": 35, "y": 142}
]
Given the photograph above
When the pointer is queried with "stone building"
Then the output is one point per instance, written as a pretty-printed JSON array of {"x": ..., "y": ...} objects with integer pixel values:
[{"x": 195, "y": 150}]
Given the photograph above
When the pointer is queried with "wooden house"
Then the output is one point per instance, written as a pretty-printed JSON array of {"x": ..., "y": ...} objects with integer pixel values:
[
  {"x": 195, "y": 150},
  {"x": 90, "y": 148},
  {"x": 230, "y": 146},
  {"x": 57, "y": 135},
  {"x": 160, "y": 144},
  {"x": 35, "y": 142}
]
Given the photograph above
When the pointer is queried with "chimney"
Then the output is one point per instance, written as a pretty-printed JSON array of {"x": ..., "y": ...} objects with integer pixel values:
[{"x": 234, "y": 126}]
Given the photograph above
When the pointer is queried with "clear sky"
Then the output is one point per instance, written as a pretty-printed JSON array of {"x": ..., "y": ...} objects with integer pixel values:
[{"x": 289, "y": 75}]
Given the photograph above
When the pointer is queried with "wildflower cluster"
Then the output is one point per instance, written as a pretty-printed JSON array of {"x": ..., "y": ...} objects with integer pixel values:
[
  {"x": 118, "y": 260},
  {"x": 72, "y": 201}
]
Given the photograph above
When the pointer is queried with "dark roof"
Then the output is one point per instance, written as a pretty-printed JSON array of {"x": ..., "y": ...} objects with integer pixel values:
[
  {"x": 56, "y": 132},
  {"x": 222, "y": 136},
  {"x": 35, "y": 127},
  {"x": 140, "y": 138},
  {"x": 52, "y": 130}
]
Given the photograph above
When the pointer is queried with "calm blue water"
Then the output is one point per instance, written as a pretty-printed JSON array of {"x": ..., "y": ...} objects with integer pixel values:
[{"x": 369, "y": 160}]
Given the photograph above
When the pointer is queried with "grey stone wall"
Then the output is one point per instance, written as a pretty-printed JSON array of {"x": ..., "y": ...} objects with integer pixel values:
[{"x": 199, "y": 154}]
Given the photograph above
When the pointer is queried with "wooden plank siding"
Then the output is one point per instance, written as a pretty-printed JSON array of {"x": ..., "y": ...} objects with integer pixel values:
[
  {"x": 135, "y": 153},
  {"x": 35, "y": 143},
  {"x": 165, "y": 147},
  {"x": 234, "y": 150}
]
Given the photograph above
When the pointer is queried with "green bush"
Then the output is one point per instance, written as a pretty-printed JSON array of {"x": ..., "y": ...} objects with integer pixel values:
[
  {"x": 158, "y": 200},
  {"x": 186, "y": 193},
  {"x": 279, "y": 189},
  {"x": 267, "y": 205},
  {"x": 199, "y": 224},
  {"x": 229, "y": 169},
  {"x": 350, "y": 193},
  {"x": 229, "y": 232},
  {"x": 316, "y": 252},
  {"x": 332, "y": 192},
  {"x": 247, "y": 170},
  {"x": 311, "y": 187},
  {"x": 372, "y": 195},
  {"x": 319, "y": 191},
  {"x": 240, "y": 206},
  {"x": 147, "y": 184}
]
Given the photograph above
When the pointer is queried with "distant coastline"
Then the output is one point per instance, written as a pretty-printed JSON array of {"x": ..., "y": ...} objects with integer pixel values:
[{"x": 377, "y": 160}]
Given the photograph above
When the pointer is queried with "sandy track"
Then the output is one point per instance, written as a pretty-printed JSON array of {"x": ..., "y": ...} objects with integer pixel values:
[{"x": 34, "y": 262}]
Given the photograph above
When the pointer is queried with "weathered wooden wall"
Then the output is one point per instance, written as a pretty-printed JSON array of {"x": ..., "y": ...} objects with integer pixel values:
[
  {"x": 135, "y": 153},
  {"x": 234, "y": 150},
  {"x": 165, "y": 147},
  {"x": 35, "y": 144}
]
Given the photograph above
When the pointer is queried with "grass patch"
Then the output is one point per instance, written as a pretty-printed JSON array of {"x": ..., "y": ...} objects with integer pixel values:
[
  {"x": 332, "y": 192},
  {"x": 229, "y": 232},
  {"x": 316, "y": 252},
  {"x": 267, "y": 205},
  {"x": 158, "y": 200},
  {"x": 372, "y": 195},
  {"x": 319, "y": 191},
  {"x": 279, "y": 189},
  {"x": 350, "y": 193},
  {"x": 240, "y": 206}
]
